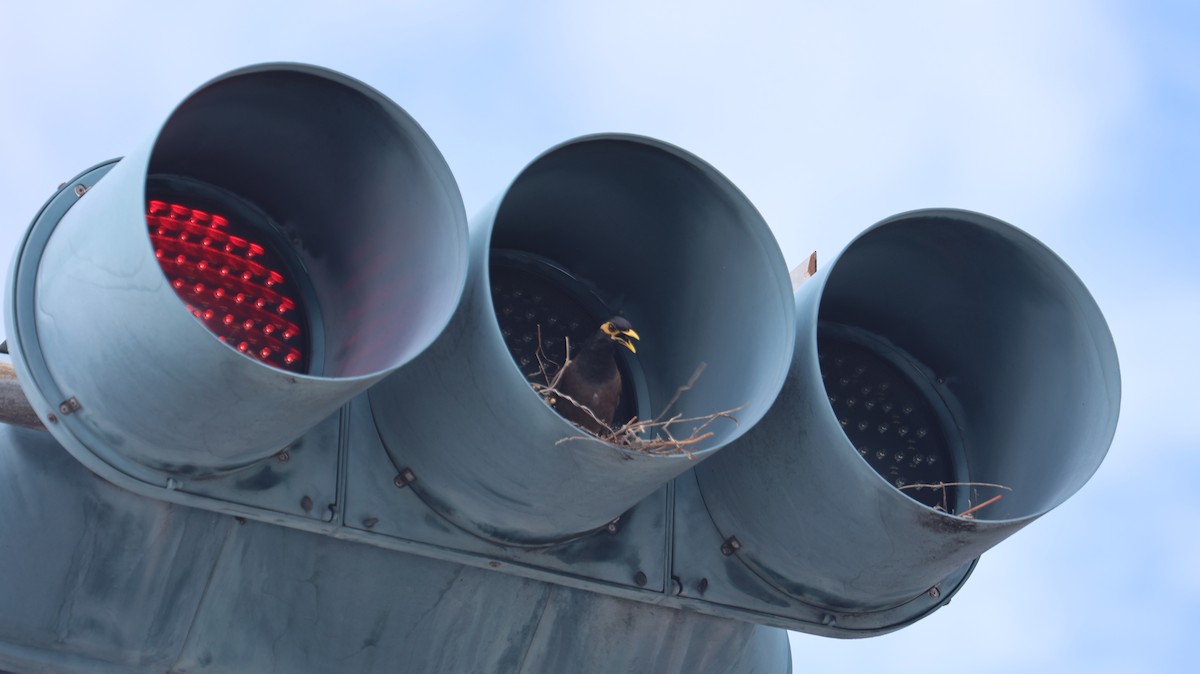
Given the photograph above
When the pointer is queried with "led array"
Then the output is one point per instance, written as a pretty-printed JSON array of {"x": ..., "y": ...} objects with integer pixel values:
[
  {"x": 889, "y": 421},
  {"x": 230, "y": 283}
]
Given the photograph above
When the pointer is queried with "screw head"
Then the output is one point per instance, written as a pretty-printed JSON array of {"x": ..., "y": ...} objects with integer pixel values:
[
  {"x": 730, "y": 546},
  {"x": 405, "y": 478}
]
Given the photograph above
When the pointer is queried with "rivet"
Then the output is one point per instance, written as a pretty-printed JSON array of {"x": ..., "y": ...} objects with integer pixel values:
[
  {"x": 283, "y": 456},
  {"x": 730, "y": 546},
  {"x": 702, "y": 586},
  {"x": 405, "y": 478},
  {"x": 370, "y": 522},
  {"x": 934, "y": 592},
  {"x": 640, "y": 578},
  {"x": 306, "y": 503},
  {"x": 80, "y": 190}
]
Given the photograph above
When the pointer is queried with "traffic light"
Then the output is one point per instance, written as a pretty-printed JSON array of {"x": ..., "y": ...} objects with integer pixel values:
[
  {"x": 275, "y": 310},
  {"x": 596, "y": 227},
  {"x": 952, "y": 381},
  {"x": 288, "y": 238}
]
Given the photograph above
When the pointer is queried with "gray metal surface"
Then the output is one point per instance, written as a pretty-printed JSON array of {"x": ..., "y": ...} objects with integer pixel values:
[
  {"x": 96, "y": 579},
  {"x": 653, "y": 233},
  {"x": 1008, "y": 346},
  {"x": 368, "y": 205}
]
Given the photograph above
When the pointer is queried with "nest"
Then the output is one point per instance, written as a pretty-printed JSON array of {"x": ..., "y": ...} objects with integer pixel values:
[{"x": 646, "y": 436}]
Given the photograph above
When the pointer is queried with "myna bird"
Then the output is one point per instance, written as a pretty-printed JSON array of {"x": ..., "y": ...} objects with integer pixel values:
[{"x": 591, "y": 378}]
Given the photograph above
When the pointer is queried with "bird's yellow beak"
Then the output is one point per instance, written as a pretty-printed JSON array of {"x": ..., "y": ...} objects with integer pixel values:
[{"x": 625, "y": 342}]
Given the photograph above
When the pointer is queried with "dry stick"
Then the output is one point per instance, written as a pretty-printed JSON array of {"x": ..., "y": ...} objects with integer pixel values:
[
  {"x": 629, "y": 434},
  {"x": 552, "y": 393},
  {"x": 943, "y": 485},
  {"x": 542, "y": 358},
  {"x": 970, "y": 511},
  {"x": 679, "y": 391}
]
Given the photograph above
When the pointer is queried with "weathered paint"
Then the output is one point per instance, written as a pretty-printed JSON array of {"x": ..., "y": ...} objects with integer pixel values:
[{"x": 97, "y": 579}]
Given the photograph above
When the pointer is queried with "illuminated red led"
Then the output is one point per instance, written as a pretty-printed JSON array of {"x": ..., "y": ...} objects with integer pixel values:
[{"x": 234, "y": 285}]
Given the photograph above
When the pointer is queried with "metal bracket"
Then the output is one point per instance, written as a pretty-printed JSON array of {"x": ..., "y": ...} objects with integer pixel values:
[{"x": 69, "y": 406}]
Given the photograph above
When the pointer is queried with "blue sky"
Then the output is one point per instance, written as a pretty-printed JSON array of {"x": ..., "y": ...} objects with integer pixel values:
[{"x": 1078, "y": 122}]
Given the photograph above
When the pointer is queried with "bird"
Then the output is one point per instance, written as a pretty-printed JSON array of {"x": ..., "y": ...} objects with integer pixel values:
[{"x": 592, "y": 379}]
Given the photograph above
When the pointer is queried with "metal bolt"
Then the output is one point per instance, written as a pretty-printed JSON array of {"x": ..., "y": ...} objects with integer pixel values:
[
  {"x": 702, "y": 586},
  {"x": 52, "y": 418},
  {"x": 370, "y": 522},
  {"x": 81, "y": 190},
  {"x": 405, "y": 478},
  {"x": 283, "y": 456},
  {"x": 306, "y": 503},
  {"x": 640, "y": 579},
  {"x": 934, "y": 592},
  {"x": 730, "y": 546},
  {"x": 613, "y": 526}
]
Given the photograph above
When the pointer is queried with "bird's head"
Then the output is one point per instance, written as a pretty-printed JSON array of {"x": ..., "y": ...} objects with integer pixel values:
[{"x": 620, "y": 331}]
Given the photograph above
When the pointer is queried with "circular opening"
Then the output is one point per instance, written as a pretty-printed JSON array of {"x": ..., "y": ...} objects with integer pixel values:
[
  {"x": 541, "y": 309},
  {"x": 224, "y": 262},
  {"x": 992, "y": 336},
  {"x": 617, "y": 226},
  {"x": 357, "y": 199}
]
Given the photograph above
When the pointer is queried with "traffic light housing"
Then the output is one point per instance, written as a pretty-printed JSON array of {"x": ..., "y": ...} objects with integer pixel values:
[
  {"x": 595, "y": 227},
  {"x": 400, "y": 413},
  {"x": 275, "y": 200},
  {"x": 953, "y": 380}
]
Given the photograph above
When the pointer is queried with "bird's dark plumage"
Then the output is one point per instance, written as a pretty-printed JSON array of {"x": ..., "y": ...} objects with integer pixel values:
[{"x": 592, "y": 379}]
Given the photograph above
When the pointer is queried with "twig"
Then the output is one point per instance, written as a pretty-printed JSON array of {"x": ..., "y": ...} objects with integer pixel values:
[
  {"x": 679, "y": 391},
  {"x": 631, "y": 434},
  {"x": 542, "y": 358},
  {"x": 942, "y": 485},
  {"x": 969, "y": 512}
]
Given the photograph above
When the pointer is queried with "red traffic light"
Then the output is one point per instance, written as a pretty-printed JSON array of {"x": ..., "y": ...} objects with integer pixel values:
[{"x": 231, "y": 283}]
